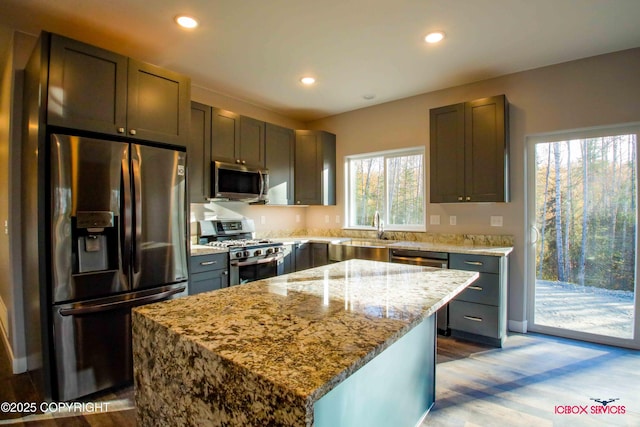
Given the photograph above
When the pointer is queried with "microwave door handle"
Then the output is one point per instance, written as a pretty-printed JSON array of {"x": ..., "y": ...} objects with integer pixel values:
[{"x": 261, "y": 184}]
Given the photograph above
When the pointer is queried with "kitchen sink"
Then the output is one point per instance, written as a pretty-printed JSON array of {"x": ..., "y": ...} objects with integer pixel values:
[{"x": 371, "y": 249}]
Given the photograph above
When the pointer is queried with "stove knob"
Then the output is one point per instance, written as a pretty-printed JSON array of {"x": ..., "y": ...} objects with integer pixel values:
[
  {"x": 257, "y": 252},
  {"x": 275, "y": 250},
  {"x": 270, "y": 250},
  {"x": 246, "y": 254},
  {"x": 239, "y": 254}
]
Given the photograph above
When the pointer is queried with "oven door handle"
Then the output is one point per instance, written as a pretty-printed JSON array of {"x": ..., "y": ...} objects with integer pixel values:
[{"x": 260, "y": 261}]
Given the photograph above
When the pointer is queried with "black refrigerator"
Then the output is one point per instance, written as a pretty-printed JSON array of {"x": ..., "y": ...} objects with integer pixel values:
[{"x": 118, "y": 239}]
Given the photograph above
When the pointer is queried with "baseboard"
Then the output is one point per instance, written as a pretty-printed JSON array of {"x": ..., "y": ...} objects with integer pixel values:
[{"x": 518, "y": 326}]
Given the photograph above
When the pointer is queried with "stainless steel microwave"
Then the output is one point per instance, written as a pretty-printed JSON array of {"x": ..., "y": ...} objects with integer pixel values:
[{"x": 239, "y": 182}]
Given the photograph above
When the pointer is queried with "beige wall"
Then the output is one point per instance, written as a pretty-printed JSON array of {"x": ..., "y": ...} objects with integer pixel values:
[
  {"x": 18, "y": 46},
  {"x": 596, "y": 91}
]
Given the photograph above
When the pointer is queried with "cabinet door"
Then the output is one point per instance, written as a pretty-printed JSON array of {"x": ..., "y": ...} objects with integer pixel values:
[
  {"x": 303, "y": 256},
  {"x": 225, "y": 136},
  {"x": 315, "y": 161},
  {"x": 307, "y": 168},
  {"x": 486, "y": 157},
  {"x": 279, "y": 160},
  {"x": 87, "y": 87},
  {"x": 158, "y": 104},
  {"x": 252, "y": 134},
  {"x": 319, "y": 254},
  {"x": 447, "y": 154},
  {"x": 208, "y": 281},
  {"x": 199, "y": 153}
]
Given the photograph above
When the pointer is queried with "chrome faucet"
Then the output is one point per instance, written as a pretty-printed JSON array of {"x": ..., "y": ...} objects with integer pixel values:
[{"x": 378, "y": 224}]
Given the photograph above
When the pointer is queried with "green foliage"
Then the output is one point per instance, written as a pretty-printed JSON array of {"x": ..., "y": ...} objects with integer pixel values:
[{"x": 597, "y": 211}]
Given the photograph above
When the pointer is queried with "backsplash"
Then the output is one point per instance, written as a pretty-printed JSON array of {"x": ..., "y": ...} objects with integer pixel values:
[{"x": 452, "y": 239}]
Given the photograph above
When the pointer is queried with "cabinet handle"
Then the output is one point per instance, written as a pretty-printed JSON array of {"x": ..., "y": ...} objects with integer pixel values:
[
  {"x": 132, "y": 132},
  {"x": 468, "y": 198},
  {"x": 473, "y": 262},
  {"x": 475, "y": 319},
  {"x": 120, "y": 130},
  {"x": 460, "y": 198},
  {"x": 475, "y": 288},
  {"x": 224, "y": 273},
  {"x": 243, "y": 162},
  {"x": 238, "y": 161},
  {"x": 208, "y": 262}
]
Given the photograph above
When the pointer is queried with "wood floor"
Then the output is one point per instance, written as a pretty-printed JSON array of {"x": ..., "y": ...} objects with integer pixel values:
[{"x": 523, "y": 384}]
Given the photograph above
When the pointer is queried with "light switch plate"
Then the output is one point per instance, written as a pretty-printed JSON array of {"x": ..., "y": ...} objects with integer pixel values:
[
  {"x": 337, "y": 219},
  {"x": 326, "y": 219},
  {"x": 434, "y": 219},
  {"x": 263, "y": 219},
  {"x": 297, "y": 217},
  {"x": 453, "y": 220},
  {"x": 496, "y": 221}
]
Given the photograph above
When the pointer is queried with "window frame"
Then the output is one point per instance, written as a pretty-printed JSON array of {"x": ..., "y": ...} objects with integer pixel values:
[{"x": 349, "y": 211}]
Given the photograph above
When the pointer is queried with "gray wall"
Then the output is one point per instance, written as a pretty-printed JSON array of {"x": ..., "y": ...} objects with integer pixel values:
[{"x": 602, "y": 90}]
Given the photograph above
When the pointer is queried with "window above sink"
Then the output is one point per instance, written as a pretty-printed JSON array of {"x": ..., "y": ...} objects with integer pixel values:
[{"x": 388, "y": 182}]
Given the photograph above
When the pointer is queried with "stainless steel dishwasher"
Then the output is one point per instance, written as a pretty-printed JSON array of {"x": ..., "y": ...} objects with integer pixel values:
[{"x": 429, "y": 259}]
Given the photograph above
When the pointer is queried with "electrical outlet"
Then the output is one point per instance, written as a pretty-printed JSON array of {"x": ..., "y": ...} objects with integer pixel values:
[
  {"x": 263, "y": 219},
  {"x": 453, "y": 220},
  {"x": 434, "y": 220},
  {"x": 297, "y": 217},
  {"x": 496, "y": 221},
  {"x": 326, "y": 219},
  {"x": 337, "y": 219}
]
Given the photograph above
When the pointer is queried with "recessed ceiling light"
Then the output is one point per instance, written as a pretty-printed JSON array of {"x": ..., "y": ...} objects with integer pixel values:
[
  {"x": 307, "y": 80},
  {"x": 186, "y": 21},
  {"x": 434, "y": 37},
  {"x": 369, "y": 96}
]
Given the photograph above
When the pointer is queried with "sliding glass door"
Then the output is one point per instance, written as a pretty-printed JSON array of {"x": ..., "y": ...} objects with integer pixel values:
[{"x": 582, "y": 212}]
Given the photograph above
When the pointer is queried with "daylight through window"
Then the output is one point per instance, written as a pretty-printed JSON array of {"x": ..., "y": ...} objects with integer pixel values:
[{"x": 391, "y": 183}]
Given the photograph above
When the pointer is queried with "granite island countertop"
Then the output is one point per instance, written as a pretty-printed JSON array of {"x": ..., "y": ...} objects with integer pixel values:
[{"x": 287, "y": 340}]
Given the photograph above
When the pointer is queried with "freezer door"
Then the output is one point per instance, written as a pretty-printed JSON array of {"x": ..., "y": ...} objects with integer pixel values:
[
  {"x": 89, "y": 185},
  {"x": 92, "y": 342},
  {"x": 160, "y": 216}
]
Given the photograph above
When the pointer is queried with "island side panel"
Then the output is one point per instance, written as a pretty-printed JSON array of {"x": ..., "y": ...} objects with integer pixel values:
[
  {"x": 179, "y": 383},
  {"x": 397, "y": 387}
]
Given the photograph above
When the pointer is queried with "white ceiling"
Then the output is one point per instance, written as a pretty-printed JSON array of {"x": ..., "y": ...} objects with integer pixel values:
[{"x": 256, "y": 50}]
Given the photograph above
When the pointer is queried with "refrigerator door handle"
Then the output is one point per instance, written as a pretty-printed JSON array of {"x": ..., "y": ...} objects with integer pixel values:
[
  {"x": 137, "y": 188},
  {"x": 119, "y": 304},
  {"x": 126, "y": 189}
]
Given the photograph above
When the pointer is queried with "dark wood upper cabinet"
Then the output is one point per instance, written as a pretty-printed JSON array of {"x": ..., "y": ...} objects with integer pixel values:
[
  {"x": 199, "y": 153},
  {"x": 252, "y": 136},
  {"x": 469, "y": 152},
  {"x": 87, "y": 87},
  {"x": 100, "y": 91},
  {"x": 280, "y": 157},
  {"x": 158, "y": 104},
  {"x": 237, "y": 139},
  {"x": 225, "y": 135},
  {"x": 315, "y": 168}
]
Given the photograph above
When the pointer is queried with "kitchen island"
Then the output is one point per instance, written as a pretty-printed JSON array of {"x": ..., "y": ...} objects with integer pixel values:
[{"x": 351, "y": 343}]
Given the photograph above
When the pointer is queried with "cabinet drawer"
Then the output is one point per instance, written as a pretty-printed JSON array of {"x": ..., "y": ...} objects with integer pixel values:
[
  {"x": 481, "y": 263},
  {"x": 477, "y": 319},
  {"x": 200, "y": 263},
  {"x": 208, "y": 281},
  {"x": 485, "y": 290}
]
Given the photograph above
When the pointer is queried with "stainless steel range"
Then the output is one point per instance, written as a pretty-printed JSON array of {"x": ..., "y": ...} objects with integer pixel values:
[{"x": 249, "y": 258}]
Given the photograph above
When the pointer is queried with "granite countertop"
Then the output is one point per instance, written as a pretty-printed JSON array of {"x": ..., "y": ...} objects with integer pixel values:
[
  {"x": 304, "y": 239},
  {"x": 207, "y": 250},
  {"x": 453, "y": 249},
  {"x": 307, "y": 331}
]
